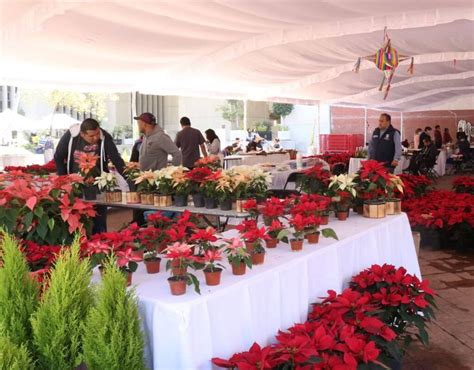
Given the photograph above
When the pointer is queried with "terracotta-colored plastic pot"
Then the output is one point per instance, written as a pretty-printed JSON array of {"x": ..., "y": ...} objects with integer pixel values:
[
  {"x": 313, "y": 238},
  {"x": 239, "y": 268},
  {"x": 342, "y": 215},
  {"x": 153, "y": 265},
  {"x": 296, "y": 244},
  {"x": 213, "y": 277},
  {"x": 258, "y": 258},
  {"x": 177, "y": 286},
  {"x": 271, "y": 243},
  {"x": 324, "y": 220},
  {"x": 129, "y": 278},
  {"x": 138, "y": 254},
  {"x": 249, "y": 246}
]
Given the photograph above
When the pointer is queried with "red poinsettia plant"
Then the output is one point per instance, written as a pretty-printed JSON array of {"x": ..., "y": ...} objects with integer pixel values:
[
  {"x": 212, "y": 162},
  {"x": 402, "y": 301},
  {"x": 34, "y": 169},
  {"x": 204, "y": 239},
  {"x": 351, "y": 330},
  {"x": 272, "y": 209},
  {"x": 315, "y": 180},
  {"x": 415, "y": 186},
  {"x": 197, "y": 177},
  {"x": 372, "y": 180},
  {"x": 464, "y": 184},
  {"x": 276, "y": 231}
]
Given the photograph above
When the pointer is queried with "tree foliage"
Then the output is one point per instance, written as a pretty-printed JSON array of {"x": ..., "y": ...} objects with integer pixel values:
[
  {"x": 18, "y": 293},
  {"x": 233, "y": 111},
  {"x": 58, "y": 321},
  {"x": 12, "y": 356},
  {"x": 112, "y": 335},
  {"x": 95, "y": 103},
  {"x": 282, "y": 110}
]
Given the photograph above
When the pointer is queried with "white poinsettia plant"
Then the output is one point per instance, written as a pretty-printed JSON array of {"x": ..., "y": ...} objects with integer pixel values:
[
  {"x": 250, "y": 181},
  {"x": 395, "y": 184},
  {"x": 343, "y": 182},
  {"x": 106, "y": 181}
]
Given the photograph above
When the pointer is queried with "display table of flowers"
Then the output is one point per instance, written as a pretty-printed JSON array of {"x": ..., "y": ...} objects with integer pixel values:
[{"x": 188, "y": 330}]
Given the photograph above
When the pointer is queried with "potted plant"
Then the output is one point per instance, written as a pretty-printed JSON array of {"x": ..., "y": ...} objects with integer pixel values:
[
  {"x": 343, "y": 190},
  {"x": 212, "y": 268},
  {"x": 127, "y": 263},
  {"x": 88, "y": 169},
  {"x": 314, "y": 180},
  {"x": 372, "y": 179},
  {"x": 251, "y": 207},
  {"x": 225, "y": 188},
  {"x": 203, "y": 239},
  {"x": 237, "y": 256},
  {"x": 254, "y": 238},
  {"x": 180, "y": 258},
  {"x": 258, "y": 183},
  {"x": 146, "y": 186},
  {"x": 272, "y": 209},
  {"x": 152, "y": 262},
  {"x": 162, "y": 224},
  {"x": 182, "y": 187},
  {"x": 274, "y": 232},
  {"x": 212, "y": 162},
  {"x": 197, "y": 178},
  {"x": 210, "y": 190},
  {"x": 298, "y": 223},
  {"x": 394, "y": 186},
  {"x": 108, "y": 182},
  {"x": 131, "y": 172},
  {"x": 164, "y": 185}
]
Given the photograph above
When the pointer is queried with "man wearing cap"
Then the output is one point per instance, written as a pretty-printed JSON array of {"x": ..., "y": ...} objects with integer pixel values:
[{"x": 156, "y": 145}]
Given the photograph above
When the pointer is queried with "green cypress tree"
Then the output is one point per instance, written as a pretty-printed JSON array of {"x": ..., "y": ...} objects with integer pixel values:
[
  {"x": 58, "y": 321},
  {"x": 112, "y": 336},
  {"x": 19, "y": 294},
  {"x": 12, "y": 356}
]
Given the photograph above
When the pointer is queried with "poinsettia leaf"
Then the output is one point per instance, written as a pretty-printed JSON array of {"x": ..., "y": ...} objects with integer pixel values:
[
  {"x": 282, "y": 234},
  {"x": 42, "y": 228},
  {"x": 329, "y": 233},
  {"x": 314, "y": 360},
  {"x": 195, "y": 282},
  {"x": 51, "y": 223},
  {"x": 27, "y": 220},
  {"x": 39, "y": 212}
]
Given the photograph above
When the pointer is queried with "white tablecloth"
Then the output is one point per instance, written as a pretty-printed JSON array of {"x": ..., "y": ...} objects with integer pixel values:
[
  {"x": 253, "y": 159},
  {"x": 185, "y": 332},
  {"x": 440, "y": 166}
]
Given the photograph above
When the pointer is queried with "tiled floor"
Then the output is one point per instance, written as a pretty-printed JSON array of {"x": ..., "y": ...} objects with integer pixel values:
[{"x": 451, "y": 274}]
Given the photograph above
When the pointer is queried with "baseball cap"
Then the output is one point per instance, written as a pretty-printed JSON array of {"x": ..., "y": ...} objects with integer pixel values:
[{"x": 147, "y": 118}]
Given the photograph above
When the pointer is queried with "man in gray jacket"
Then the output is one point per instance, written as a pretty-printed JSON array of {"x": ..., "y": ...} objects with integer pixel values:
[{"x": 156, "y": 145}]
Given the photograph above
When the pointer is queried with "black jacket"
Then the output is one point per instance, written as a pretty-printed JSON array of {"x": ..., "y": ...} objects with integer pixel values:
[
  {"x": 383, "y": 148},
  {"x": 68, "y": 143}
]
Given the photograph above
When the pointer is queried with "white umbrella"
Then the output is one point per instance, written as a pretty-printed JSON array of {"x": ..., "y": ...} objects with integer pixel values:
[
  {"x": 12, "y": 121},
  {"x": 57, "y": 121}
]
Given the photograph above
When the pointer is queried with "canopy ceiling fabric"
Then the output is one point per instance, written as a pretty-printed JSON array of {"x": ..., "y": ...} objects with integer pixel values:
[{"x": 298, "y": 51}]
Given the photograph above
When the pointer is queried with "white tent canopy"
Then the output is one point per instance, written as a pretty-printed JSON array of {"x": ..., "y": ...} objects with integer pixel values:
[
  {"x": 291, "y": 50},
  {"x": 57, "y": 121}
]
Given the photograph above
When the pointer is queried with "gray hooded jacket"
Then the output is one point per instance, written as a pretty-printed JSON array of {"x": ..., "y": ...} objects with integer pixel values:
[{"x": 155, "y": 149}]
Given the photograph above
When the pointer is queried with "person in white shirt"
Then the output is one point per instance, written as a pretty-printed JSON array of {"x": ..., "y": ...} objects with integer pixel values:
[{"x": 212, "y": 142}]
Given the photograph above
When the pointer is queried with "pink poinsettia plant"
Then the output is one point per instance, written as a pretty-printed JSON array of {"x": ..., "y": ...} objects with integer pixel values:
[{"x": 44, "y": 210}]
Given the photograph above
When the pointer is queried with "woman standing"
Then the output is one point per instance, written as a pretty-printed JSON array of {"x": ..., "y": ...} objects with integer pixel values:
[
  {"x": 213, "y": 143},
  {"x": 416, "y": 138}
]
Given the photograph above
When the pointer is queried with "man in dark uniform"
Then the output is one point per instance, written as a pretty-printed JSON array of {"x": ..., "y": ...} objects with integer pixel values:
[{"x": 385, "y": 145}]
